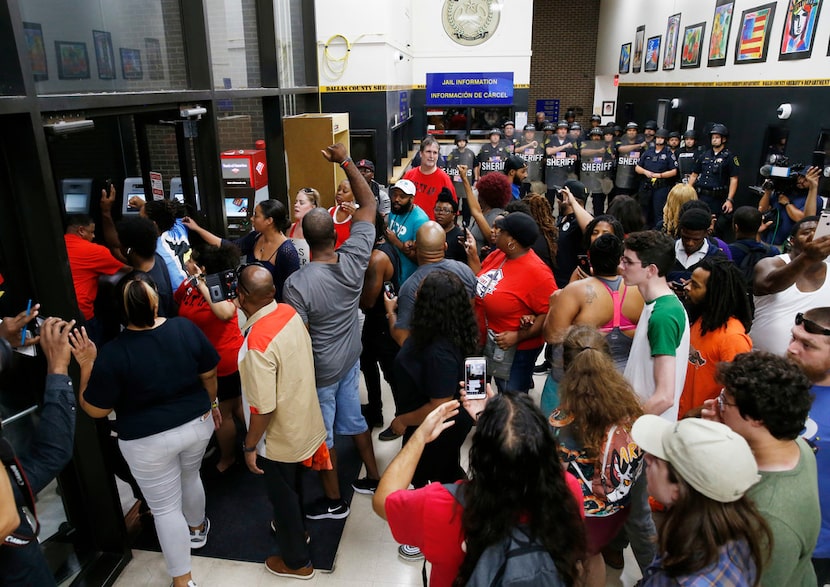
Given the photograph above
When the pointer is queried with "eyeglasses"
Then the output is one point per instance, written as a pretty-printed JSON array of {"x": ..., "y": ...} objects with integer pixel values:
[
  {"x": 722, "y": 401},
  {"x": 810, "y": 326},
  {"x": 442, "y": 210}
]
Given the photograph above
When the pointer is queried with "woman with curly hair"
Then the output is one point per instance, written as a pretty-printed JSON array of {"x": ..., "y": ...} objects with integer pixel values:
[
  {"x": 493, "y": 194},
  {"x": 516, "y": 478},
  {"x": 596, "y": 412},
  {"x": 602, "y": 224},
  {"x": 427, "y": 371},
  {"x": 679, "y": 195},
  {"x": 627, "y": 210},
  {"x": 547, "y": 245}
]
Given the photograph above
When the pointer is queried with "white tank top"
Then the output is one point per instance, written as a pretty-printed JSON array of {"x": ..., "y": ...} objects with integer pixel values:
[{"x": 775, "y": 314}]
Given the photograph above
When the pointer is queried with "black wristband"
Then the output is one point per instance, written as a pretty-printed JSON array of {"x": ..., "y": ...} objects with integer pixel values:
[{"x": 246, "y": 449}]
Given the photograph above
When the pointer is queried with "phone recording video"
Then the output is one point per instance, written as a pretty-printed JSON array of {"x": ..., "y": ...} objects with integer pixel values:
[{"x": 475, "y": 377}]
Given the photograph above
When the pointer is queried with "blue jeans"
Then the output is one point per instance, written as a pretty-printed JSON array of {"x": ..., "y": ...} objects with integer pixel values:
[
  {"x": 340, "y": 405},
  {"x": 521, "y": 372}
]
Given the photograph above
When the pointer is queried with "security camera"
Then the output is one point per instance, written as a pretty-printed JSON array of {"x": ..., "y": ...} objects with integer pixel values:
[
  {"x": 784, "y": 111},
  {"x": 195, "y": 111}
]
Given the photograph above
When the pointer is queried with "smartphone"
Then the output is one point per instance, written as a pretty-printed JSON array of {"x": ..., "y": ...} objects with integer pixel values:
[
  {"x": 389, "y": 288},
  {"x": 475, "y": 377},
  {"x": 823, "y": 226},
  {"x": 584, "y": 264}
]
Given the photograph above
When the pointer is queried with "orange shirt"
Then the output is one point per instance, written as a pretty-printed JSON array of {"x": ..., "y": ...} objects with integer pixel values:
[
  {"x": 705, "y": 352},
  {"x": 88, "y": 262}
]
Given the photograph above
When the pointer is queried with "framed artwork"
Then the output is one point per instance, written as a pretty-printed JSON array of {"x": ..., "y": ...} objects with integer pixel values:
[
  {"x": 653, "y": 53},
  {"x": 753, "y": 37},
  {"x": 799, "y": 29},
  {"x": 608, "y": 108},
  {"x": 692, "y": 42},
  {"x": 104, "y": 55},
  {"x": 37, "y": 50},
  {"x": 672, "y": 35},
  {"x": 73, "y": 60},
  {"x": 155, "y": 65},
  {"x": 131, "y": 64},
  {"x": 639, "y": 40},
  {"x": 721, "y": 24},
  {"x": 625, "y": 57}
]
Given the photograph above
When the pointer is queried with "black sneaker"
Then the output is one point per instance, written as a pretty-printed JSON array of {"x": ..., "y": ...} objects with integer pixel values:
[
  {"x": 365, "y": 485},
  {"x": 388, "y": 434},
  {"x": 324, "y": 509}
]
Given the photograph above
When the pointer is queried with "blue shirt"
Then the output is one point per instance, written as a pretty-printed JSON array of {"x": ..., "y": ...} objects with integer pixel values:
[
  {"x": 734, "y": 568},
  {"x": 817, "y": 433},
  {"x": 405, "y": 226}
]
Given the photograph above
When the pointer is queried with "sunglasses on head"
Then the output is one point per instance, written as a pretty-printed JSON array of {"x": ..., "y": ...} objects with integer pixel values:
[
  {"x": 810, "y": 326},
  {"x": 307, "y": 190}
]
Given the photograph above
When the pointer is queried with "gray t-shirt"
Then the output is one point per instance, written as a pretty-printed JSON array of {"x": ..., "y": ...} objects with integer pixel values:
[
  {"x": 326, "y": 297},
  {"x": 406, "y": 299}
]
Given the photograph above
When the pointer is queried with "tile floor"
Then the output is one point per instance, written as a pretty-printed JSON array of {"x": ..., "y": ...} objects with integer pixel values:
[{"x": 367, "y": 556}]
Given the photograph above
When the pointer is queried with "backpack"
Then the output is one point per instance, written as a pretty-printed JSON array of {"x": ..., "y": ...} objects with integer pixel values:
[
  {"x": 621, "y": 466},
  {"x": 751, "y": 258},
  {"x": 517, "y": 561}
]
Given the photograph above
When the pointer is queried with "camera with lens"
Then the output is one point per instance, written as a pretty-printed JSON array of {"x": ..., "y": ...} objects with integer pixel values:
[
  {"x": 780, "y": 172},
  {"x": 222, "y": 286}
]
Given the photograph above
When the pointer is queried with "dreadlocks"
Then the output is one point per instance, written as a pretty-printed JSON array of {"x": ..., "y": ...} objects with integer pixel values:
[{"x": 725, "y": 297}]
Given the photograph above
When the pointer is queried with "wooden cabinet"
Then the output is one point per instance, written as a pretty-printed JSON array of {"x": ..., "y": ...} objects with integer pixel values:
[{"x": 305, "y": 136}]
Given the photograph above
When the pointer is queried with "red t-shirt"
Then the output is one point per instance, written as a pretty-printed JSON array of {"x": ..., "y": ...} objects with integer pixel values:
[
  {"x": 343, "y": 229},
  {"x": 428, "y": 187},
  {"x": 508, "y": 289},
  {"x": 430, "y": 518},
  {"x": 705, "y": 352},
  {"x": 88, "y": 262},
  {"x": 223, "y": 335}
]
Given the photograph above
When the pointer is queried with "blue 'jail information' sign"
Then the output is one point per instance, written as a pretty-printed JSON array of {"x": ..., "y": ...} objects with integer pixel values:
[
  {"x": 470, "y": 89},
  {"x": 550, "y": 108}
]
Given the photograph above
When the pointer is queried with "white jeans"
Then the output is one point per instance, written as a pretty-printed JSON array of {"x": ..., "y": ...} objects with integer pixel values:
[{"x": 166, "y": 467}]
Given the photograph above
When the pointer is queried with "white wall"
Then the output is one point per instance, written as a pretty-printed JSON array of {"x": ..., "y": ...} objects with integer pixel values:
[
  {"x": 380, "y": 30},
  {"x": 619, "y": 21}
]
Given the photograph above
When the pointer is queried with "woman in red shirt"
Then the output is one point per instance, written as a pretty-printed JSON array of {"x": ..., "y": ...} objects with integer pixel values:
[{"x": 342, "y": 212}]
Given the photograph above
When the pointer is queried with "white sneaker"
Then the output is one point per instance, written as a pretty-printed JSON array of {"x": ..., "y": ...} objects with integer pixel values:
[{"x": 198, "y": 538}]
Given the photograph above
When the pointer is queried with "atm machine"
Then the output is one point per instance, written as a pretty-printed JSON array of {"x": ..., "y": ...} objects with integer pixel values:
[
  {"x": 177, "y": 193},
  {"x": 244, "y": 185},
  {"x": 133, "y": 186},
  {"x": 77, "y": 195}
]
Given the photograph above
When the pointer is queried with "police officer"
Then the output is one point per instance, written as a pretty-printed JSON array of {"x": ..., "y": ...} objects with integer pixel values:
[
  {"x": 596, "y": 165},
  {"x": 687, "y": 156},
  {"x": 650, "y": 130},
  {"x": 492, "y": 155},
  {"x": 461, "y": 155},
  {"x": 509, "y": 139},
  {"x": 575, "y": 133},
  {"x": 629, "y": 148},
  {"x": 596, "y": 121},
  {"x": 561, "y": 161},
  {"x": 530, "y": 149},
  {"x": 658, "y": 168},
  {"x": 715, "y": 177}
]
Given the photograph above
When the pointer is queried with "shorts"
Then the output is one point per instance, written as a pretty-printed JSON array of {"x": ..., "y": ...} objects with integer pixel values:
[
  {"x": 601, "y": 530},
  {"x": 229, "y": 386},
  {"x": 340, "y": 404}
]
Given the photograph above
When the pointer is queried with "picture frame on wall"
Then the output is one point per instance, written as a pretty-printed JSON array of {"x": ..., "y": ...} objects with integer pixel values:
[
  {"x": 33, "y": 32},
  {"x": 155, "y": 65},
  {"x": 721, "y": 26},
  {"x": 73, "y": 60},
  {"x": 753, "y": 35},
  {"x": 672, "y": 35},
  {"x": 131, "y": 64},
  {"x": 692, "y": 43},
  {"x": 639, "y": 41},
  {"x": 625, "y": 58},
  {"x": 652, "y": 62},
  {"x": 608, "y": 106},
  {"x": 104, "y": 54},
  {"x": 799, "y": 29}
]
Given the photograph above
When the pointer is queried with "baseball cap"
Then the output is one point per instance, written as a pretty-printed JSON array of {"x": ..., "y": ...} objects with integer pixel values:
[
  {"x": 514, "y": 162},
  {"x": 366, "y": 164},
  {"x": 709, "y": 456},
  {"x": 405, "y": 186},
  {"x": 577, "y": 188},
  {"x": 521, "y": 227}
]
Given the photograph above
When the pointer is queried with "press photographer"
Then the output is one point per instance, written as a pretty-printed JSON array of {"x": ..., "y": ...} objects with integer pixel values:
[{"x": 789, "y": 194}]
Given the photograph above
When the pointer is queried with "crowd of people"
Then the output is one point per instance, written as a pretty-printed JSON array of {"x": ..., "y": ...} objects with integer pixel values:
[{"x": 686, "y": 404}]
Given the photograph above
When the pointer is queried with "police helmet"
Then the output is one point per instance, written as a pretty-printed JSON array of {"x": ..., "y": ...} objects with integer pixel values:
[
  {"x": 576, "y": 126},
  {"x": 460, "y": 137},
  {"x": 562, "y": 124},
  {"x": 509, "y": 123},
  {"x": 609, "y": 130},
  {"x": 674, "y": 135},
  {"x": 596, "y": 132},
  {"x": 617, "y": 128},
  {"x": 662, "y": 133},
  {"x": 719, "y": 129},
  {"x": 492, "y": 132},
  {"x": 689, "y": 134},
  {"x": 529, "y": 127},
  {"x": 596, "y": 117},
  {"x": 549, "y": 126},
  {"x": 631, "y": 125},
  {"x": 650, "y": 125}
]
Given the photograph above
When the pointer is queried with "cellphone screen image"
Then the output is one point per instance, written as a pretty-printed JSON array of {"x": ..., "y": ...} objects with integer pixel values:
[
  {"x": 823, "y": 226},
  {"x": 475, "y": 375}
]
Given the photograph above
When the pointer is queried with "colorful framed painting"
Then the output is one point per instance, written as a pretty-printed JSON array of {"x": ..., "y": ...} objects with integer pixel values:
[
  {"x": 799, "y": 29},
  {"x": 73, "y": 60},
  {"x": 155, "y": 66},
  {"x": 721, "y": 25},
  {"x": 653, "y": 53},
  {"x": 692, "y": 42},
  {"x": 104, "y": 54},
  {"x": 625, "y": 58},
  {"x": 753, "y": 36},
  {"x": 639, "y": 41},
  {"x": 672, "y": 35},
  {"x": 37, "y": 50},
  {"x": 131, "y": 64}
]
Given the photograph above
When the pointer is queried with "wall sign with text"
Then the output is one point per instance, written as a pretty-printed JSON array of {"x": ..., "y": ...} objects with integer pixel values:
[{"x": 470, "y": 89}]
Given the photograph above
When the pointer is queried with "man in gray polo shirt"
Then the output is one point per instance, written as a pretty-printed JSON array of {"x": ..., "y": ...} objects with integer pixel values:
[{"x": 325, "y": 294}]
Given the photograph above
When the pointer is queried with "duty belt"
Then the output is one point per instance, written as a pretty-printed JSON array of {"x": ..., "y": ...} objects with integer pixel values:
[
  {"x": 719, "y": 192},
  {"x": 656, "y": 184}
]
